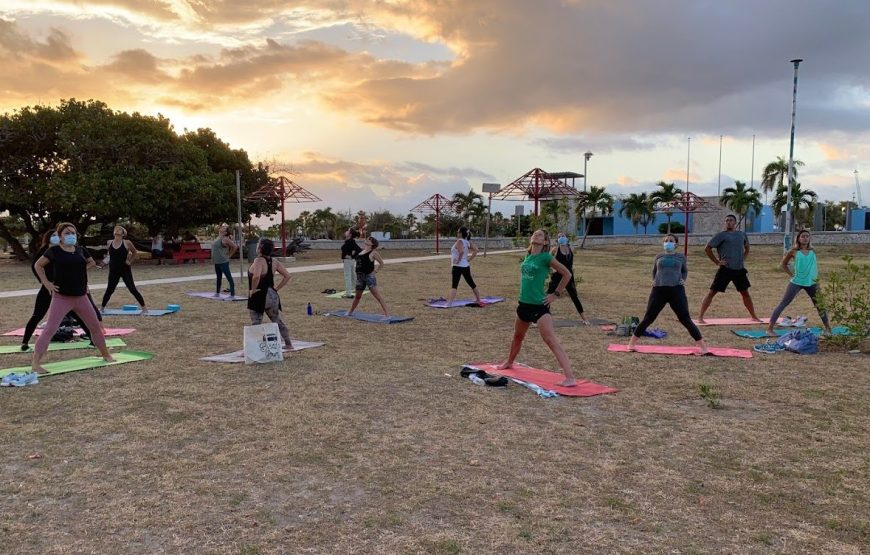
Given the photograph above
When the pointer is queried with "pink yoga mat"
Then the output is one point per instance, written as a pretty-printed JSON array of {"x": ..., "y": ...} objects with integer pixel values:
[
  {"x": 110, "y": 332},
  {"x": 547, "y": 380},
  {"x": 731, "y": 322},
  {"x": 677, "y": 350}
]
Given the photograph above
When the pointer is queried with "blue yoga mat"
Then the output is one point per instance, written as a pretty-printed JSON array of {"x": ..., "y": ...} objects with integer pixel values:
[
  {"x": 758, "y": 334},
  {"x": 442, "y": 303},
  {"x": 374, "y": 318},
  {"x": 138, "y": 311}
]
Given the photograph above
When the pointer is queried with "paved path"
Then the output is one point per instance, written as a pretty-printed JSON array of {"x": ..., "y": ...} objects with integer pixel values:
[{"x": 292, "y": 270}]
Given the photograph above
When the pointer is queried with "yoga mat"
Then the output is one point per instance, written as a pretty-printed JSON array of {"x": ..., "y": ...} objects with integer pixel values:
[
  {"x": 85, "y": 363},
  {"x": 678, "y": 350},
  {"x": 340, "y": 294},
  {"x": 109, "y": 332},
  {"x": 758, "y": 334},
  {"x": 464, "y": 302},
  {"x": 204, "y": 295},
  {"x": 568, "y": 323},
  {"x": 547, "y": 380},
  {"x": 72, "y": 345},
  {"x": 239, "y": 356},
  {"x": 138, "y": 312},
  {"x": 374, "y": 318},
  {"x": 731, "y": 322}
]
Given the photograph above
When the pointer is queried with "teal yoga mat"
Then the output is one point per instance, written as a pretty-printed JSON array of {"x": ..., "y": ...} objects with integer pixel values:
[
  {"x": 72, "y": 345},
  {"x": 86, "y": 363},
  {"x": 759, "y": 334}
]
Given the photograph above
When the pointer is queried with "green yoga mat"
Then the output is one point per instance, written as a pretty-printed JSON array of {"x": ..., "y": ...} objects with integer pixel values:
[
  {"x": 85, "y": 363},
  {"x": 72, "y": 345}
]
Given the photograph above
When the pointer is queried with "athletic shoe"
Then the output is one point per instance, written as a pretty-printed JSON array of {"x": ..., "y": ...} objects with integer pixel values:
[
  {"x": 799, "y": 322},
  {"x": 21, "y": 380},
  {"x": 769, "y": 348}
]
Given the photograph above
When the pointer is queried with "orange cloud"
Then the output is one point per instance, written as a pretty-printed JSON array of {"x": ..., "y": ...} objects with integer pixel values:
[
  {"x": 679, "y": 175},
  {"x": 832, "y": 152}
]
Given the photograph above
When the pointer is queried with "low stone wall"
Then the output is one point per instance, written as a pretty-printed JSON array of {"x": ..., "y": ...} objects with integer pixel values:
[{"x": 500, "y": 243}]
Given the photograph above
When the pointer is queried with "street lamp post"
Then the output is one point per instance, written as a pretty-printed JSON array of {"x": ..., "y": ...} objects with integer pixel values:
[
  {"x": 586, "y": 156},
  {"x": 489, "y": 188},
  {"x": 786, "y": 237}
]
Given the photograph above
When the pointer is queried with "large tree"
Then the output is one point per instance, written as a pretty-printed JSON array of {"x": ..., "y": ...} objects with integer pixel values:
[
  {"x": 776, "y": 173},
  {"x": 638, "y": 209},
  {"x": 85, "y": 163},
  {"x": 740, "y": 199},
  {"x": 596, "y": 199},
  {"x": 802, "y": 202}
]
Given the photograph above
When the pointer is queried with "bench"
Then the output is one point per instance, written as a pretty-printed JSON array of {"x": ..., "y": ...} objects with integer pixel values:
[{"x": 190, "y": 251}]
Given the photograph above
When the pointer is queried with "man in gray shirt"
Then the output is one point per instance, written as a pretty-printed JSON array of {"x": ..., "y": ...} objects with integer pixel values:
[{"x": 732, "y": 248}]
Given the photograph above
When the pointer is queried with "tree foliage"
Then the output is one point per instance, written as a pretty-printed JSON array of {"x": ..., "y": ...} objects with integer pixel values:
[{"x": 87, "y": 164}]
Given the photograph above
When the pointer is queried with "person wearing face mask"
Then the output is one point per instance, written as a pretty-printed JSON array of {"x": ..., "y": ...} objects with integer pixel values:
[
  {"x": 43, "y": 297},
  {"x": 462, "y": 253},
  {"x": 122, "y": 253},
  {"x": 534, "y": 303},
  {"x": 69, "y": 291},
  {"x": 565, "y": 256},
  {"x": 669, "y": 277}
]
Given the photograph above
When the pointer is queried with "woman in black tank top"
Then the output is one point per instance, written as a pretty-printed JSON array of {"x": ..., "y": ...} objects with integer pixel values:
[
  {"x": 121, "y": 255},
  {"x": 365, "y": 275},
  {"x": 264, "y": 297},
  {"x": 564, "y": 255}
]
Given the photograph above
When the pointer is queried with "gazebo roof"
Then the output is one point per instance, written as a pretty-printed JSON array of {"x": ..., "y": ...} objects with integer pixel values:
[
  {"x": 435, "y": 203},
  {"x": 282, "y": 189},
  {"x": 536, "y": 185}
]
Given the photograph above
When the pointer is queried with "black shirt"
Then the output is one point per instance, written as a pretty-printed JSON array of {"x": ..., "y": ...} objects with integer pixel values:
[
  {"x": 257, "y": 302},
  {"x": 118, "y": 257},
  {"x": 350, "y": 249},
  {"x": 566, "y": 260},
  {"x": 364, "y": 264},
  {"x": 70, "y": 270},
  {"x": 49, "y": 270}
]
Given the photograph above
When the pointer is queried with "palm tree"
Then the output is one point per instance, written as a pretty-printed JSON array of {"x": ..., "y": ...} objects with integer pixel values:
[
  {"x": 469, "y": 206},
  {"x": 638, "y": 209},
  {"x": 740, "y": 199},
  {"x": 667, "y": 192},
  {"x": 410, "y": 221},
  {"x": 775, "y": 173},
  {"x": 595, "y": 199},
  {"x": 324, "y": 219},
  {"x": 799, "y": 197}
]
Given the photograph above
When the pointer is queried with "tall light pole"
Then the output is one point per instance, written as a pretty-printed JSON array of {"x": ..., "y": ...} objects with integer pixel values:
[
  {"x": 686, "y": 226},
  {"x": 786, "y": 237},
  {"x": 586, "y": 156},
  {"x": 489, "y": 188},
  {"x": 719, "y": 186}
]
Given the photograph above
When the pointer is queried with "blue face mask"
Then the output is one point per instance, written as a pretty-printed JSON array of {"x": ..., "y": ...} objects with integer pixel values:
[
  {"x": 69, "y": 240},
  {"x": 563, "y": 240},
  {"x": 54, "y": 240},
  {"x": 669, "y": 246}
]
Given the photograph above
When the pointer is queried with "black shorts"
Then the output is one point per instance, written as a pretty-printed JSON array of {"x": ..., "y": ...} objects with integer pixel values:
[
  {"x": 724, "y": 276},
  {"x": 531, "y": 313}
]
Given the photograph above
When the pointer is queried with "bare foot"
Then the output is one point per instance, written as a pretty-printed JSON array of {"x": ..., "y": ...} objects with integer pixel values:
[
  {"x": 702, "y": 348},
  {"x": 506, "y": 365},
  {"x": 109, "y": 358},
  {"x": 770, "y": 332},
  {"x": 700, "y": 320},
  {"x": 567, "y": 383},
  {"x": 632, "y": 344},
  {"x": 39, "y": 369}
]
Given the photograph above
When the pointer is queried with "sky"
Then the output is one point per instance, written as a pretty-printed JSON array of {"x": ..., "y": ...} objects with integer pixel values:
[{"x": 379, "y": 104}]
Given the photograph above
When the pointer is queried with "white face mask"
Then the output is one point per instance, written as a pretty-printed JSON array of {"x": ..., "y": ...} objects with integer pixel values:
[{"x": 669, "y": 246}]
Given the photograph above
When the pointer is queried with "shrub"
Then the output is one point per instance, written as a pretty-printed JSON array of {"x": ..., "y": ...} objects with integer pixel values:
[{"x": 846, "y": 297}]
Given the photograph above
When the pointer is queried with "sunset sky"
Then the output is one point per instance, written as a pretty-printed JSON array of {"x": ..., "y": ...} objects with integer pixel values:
[{"x": 381, "y": 104}]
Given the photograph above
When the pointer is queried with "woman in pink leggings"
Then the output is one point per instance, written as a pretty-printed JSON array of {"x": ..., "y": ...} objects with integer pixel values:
[{"x": 69, "y": 291}]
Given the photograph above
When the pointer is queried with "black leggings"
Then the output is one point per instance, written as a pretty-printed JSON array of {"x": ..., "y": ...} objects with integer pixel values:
[
  {"x": 40, "y": 309},
  {"x": 127, "y": 275},
  {"x": 465, "y": 272},
  {"x": 674, "y": 296},
  {"x": 571, "y": 289}
]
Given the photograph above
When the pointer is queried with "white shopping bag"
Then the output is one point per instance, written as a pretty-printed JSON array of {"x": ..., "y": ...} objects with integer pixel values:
[{"x": 263, "y": 344}]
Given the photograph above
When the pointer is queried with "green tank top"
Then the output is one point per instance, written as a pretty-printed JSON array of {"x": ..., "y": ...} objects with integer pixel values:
[
  {"x": 534, "y": 269},
  {"x": 806, "y": 270},
  {"x": 219, "y": 252}
]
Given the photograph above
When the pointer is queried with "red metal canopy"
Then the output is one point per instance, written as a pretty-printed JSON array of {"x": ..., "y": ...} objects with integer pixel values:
[
  {"x": 536, "y": 185},
  {"x": 686, "y": 203},
  {"x": 283, "y": 190},
  {"x": 436, "y": 204}
]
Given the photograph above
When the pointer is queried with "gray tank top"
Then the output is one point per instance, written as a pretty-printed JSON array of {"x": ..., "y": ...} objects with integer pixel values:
[{"x": 219, "y": 252}]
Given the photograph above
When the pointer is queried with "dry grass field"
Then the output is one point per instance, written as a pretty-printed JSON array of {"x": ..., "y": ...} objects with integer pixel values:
[{"x": 374, "y": 444}]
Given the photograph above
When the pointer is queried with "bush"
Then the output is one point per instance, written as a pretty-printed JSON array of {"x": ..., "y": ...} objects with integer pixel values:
[
  {"x": 676, "y": 227},
  {"x": 846, "y": 298}
]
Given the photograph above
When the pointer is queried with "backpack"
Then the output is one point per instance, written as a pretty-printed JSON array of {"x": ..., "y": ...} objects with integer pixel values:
[
  {"x": 626, "y": 328},
  {"x": 63, "y": 334},
  {"x": 802, "y": 342}
]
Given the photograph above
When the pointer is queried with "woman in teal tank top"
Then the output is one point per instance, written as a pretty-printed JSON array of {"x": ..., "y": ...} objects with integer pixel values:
[
  {"x": 534, "y": 303},
  {"x": 805, "y": 277}
]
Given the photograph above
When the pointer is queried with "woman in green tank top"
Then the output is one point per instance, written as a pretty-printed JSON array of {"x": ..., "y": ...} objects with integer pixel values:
[
  {"x": 534, "y": 305},
  {"x": 805, "y": 277}
]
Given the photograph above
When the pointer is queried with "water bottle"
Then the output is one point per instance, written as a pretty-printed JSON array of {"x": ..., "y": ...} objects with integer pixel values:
[
  {"x": 476, "y": 379},
  {"x": 309, "y": 310}
]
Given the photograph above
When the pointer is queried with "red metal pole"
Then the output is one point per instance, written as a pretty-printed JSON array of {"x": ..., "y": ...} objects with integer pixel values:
[
  {"x": 437, "y": 227},
  {"x": 283, "y": 227}
]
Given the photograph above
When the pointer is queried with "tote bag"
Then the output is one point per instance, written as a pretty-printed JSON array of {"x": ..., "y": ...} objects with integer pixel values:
[{"x": 263, "y": 344}]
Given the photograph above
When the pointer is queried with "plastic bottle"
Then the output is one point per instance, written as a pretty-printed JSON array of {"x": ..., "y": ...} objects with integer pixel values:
[
  {"x": 309, "y": 310},
  {"x": 476, "y": 379}
]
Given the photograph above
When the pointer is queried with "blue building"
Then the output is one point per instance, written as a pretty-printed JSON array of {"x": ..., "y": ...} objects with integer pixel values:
[{"x": 616, "y": 224}]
